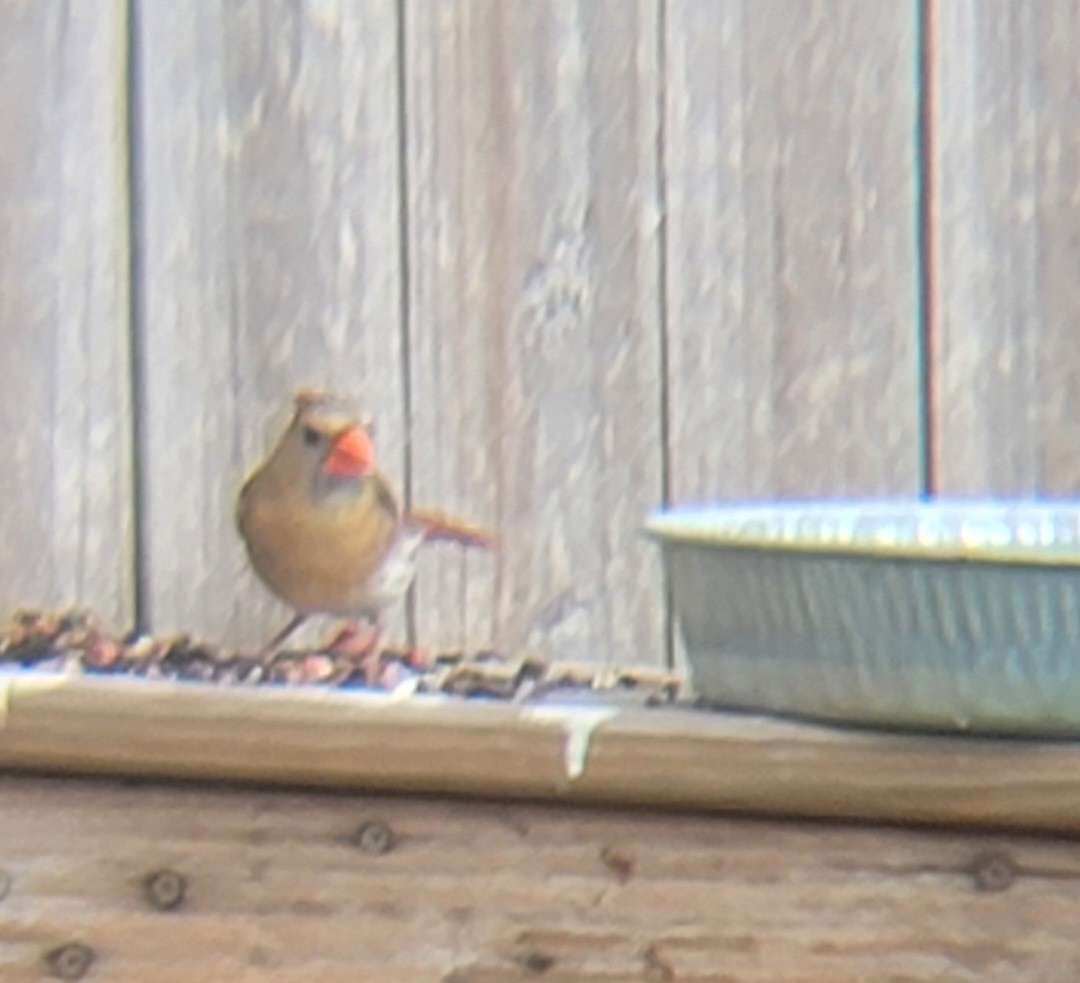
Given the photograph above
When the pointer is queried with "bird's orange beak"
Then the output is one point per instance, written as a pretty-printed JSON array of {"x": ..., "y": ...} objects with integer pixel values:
[{"x": 352, "y": 455}]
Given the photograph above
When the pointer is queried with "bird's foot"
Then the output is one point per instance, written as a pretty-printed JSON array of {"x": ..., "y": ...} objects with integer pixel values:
[
  {"x": 417, "y": 659},
  {"x": 354, "y": 640},
  {"x": 361, "y": 644}
]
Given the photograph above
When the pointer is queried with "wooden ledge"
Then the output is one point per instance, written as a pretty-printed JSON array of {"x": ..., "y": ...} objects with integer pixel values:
[{"x": 569, "y": 752}]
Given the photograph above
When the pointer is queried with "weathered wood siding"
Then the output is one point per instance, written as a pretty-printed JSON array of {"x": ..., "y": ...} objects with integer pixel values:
[
  {"x": 1006, "y": 160},
  {"x": 792, "y": 277},
  {"x": 535, "y": 316},
  {"x": 579, "y": 258},
  {"x": 65, "y": 390}
]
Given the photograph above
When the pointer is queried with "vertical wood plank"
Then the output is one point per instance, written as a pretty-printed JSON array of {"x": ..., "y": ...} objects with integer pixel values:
[
  {"x": 1007, "y": 204},
  {"x": 790, "y": 183},
  {"x": 65, "y": 487},
  {"x": 535, "y": 369},
  {"x": 272, "y": 260}
]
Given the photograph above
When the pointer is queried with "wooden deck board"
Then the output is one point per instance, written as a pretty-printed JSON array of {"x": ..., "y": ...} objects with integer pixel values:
[
  {"x": 473, "y": 892},
  {"x": 575, "y": 753}
]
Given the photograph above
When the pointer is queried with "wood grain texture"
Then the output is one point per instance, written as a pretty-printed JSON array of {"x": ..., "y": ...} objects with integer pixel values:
[
  {"x": 478, "y": 893},
  {"x": 533, "y": 284},
  {"x": 581, "y": 753},
  {"x": 65, "y": 434},
  {"x": 1007, "y": 245},
  {"x": 271, "y": 259},
  {"x": 791, "y": 248}
]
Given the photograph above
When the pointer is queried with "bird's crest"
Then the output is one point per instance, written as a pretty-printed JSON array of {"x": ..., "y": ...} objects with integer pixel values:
[{"x": 308, "y": 398}]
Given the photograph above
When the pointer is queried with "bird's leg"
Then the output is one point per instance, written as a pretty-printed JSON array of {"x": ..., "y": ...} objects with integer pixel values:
[
  {"x": 275, "y": 643},
  {"x": 372, "y": 658},
  {"x": 361, "y": 643}
]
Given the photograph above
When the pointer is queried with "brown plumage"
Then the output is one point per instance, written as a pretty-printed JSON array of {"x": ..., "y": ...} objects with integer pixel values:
[{"x": 323, "y": 527}]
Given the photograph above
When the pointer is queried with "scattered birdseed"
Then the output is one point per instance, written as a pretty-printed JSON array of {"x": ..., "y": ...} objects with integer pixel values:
[{"x": 74, "y": 641}]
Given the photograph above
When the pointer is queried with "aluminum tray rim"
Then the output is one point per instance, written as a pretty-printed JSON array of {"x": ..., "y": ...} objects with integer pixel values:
[{"x": 1040, "y": 532}]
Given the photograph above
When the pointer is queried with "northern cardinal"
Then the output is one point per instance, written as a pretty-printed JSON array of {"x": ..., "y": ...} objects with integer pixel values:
[{"x": 323, "y": 527}]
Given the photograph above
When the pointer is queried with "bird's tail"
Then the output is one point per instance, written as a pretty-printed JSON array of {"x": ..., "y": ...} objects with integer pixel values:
[{"x": 439, "y": 525}]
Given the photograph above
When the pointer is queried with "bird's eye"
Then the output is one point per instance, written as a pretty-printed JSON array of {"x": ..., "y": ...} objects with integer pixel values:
[{"x": 311, "y": 436}]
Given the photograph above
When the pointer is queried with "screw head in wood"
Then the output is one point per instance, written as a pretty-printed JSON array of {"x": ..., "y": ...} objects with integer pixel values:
[
  {"x": 165, "y": 889},
  {"x": 536, "y": 962},
  {"x": 70, "y": 961},
  {"x": 374, "y": 837},
  {"x": 993, "y": 872},
  {"x": 656, "y": 969},
  {"x": 619, "y": 863}
]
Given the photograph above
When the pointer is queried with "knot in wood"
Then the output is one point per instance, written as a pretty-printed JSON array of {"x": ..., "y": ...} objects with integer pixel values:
[
  {"x": 5, "y": 884},
  {"x": 374, "y": 837},
  {"x": 993, "y": 872},
  {"x": 70, "y": 962},
  {"x": 165, "y": 889}
]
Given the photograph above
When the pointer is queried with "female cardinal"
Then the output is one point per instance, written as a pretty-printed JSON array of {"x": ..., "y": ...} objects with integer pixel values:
[{"x": 323, "y": 527}]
